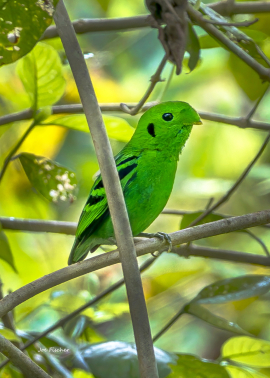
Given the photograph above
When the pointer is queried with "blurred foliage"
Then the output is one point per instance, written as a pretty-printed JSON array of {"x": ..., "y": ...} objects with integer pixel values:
[{"x": 217, "y": 297}]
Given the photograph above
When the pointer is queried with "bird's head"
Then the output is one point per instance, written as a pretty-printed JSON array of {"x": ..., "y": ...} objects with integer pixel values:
[{"x": 166, "y": 125}]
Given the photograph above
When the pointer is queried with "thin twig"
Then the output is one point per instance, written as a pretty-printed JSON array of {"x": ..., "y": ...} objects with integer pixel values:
[
  {"x": 15, "y": 149},
  {"x": 240, "y": 24},
  {"x": 234, "y": 187},
  {"x": 72, "y": 315},
  {"x": 142, "y": 247},
  {"x": 167, "y": 84},
  {"x": 169, "y": 324},
  {"x": 221, "y": 254},
  {"x": 258, "y": 240},
  {"x": 115, "y": 197},
  {"x": 255, "y": 107},
  {"x": 20, "y": 360},
  {"x": 154, "y": 80},
  {"x": 241, "y": 122}
]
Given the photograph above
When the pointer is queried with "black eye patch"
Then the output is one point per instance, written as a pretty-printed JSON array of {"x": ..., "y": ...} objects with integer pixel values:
[
  {"x": 167, "y": 116},
  {"x": 151, "y": 129}
]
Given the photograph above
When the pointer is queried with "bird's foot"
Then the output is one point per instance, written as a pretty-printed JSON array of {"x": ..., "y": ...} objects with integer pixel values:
[{"x": 162, "y": 235}]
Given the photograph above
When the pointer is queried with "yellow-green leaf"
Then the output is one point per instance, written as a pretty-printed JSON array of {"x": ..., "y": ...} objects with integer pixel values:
[
  {"x": 117, "y": 128},
  {"x": 78, "y": 373},
  {"x": 9, "y": 334},
  {"x": 243, "y": 372},
  {"x": 42, "y": 76},
  {"x": 248, "y": 351}
]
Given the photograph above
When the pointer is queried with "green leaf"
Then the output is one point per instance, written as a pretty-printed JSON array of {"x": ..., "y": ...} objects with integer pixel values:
[
  {"x": 216, "y": 321},
  {"x": 117, "y": 128},
  {"x": 189, "y": 366},
  {"x": 247, "y": 351},
  {"x": 193, "y": 47},
  {"x": 52, "y": 180},
  {"x": 189, "y": 218},
  {"x": 22, "y": 23},
  {"x": 9, "y": 334},
  {"x": 233, "y": 289},
  {"x": 207, "y": 42},
  {"x": 243, "y": 372},
  {"x": 5, "y": 251},
  {"x": 117, "y": 359},
  {"x": 42, "y": 76}
]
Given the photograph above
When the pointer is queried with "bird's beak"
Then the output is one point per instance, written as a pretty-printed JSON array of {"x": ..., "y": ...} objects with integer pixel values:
[{"x": 198, "y": 123}]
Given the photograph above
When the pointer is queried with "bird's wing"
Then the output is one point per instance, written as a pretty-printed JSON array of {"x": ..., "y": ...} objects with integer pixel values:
[{"x": 96, "y": 208}]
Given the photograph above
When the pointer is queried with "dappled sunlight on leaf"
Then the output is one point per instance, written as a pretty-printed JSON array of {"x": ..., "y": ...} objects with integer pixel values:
[
  {"x": 23, "y": 23},
  {"x": 55, "y": 182}
]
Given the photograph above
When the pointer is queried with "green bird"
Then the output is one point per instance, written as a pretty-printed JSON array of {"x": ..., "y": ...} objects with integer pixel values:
[{"x": 146, "y": 168}]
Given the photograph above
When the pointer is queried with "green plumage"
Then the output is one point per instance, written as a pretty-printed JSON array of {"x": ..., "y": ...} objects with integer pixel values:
[{"x": 146, "y": 167}]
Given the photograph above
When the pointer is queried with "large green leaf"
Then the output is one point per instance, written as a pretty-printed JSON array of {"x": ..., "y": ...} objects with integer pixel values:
[
  {"x": 216, "y": 321},
  {"x": 117, "y": 359},
  {"x": 5, "y": 251},
  {"x": 22, "y": 23},
  {"x": 42, "y": 76},
  {"x": 189, "y": 366},
  {"x": 247, "y": 351},
  {"x": 52, "y": 180},
  {"x": 117, "y": 128},
  {"x": 232, "y": 289}
]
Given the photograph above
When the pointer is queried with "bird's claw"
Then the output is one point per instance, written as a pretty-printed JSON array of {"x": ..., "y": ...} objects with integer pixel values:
[
  {"x": 166, "y": 237},
  {"x": 161, "y": 235}
]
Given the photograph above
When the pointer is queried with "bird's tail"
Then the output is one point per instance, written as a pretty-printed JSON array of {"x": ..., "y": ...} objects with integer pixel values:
[{"x": 80, "y": 250}]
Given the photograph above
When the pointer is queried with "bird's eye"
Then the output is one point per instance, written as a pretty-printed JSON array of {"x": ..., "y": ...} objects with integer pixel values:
[{"x": 167, "y": 116}]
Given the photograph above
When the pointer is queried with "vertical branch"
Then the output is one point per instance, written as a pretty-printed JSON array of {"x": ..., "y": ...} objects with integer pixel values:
[{"x": 114, "y": 194}]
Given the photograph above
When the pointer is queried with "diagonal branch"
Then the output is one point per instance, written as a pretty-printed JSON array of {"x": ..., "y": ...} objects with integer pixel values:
[
  {"x": 20, "y": 360},
  {"x": 143, "y": 247},
  {"x": 196, "y": 17}
]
